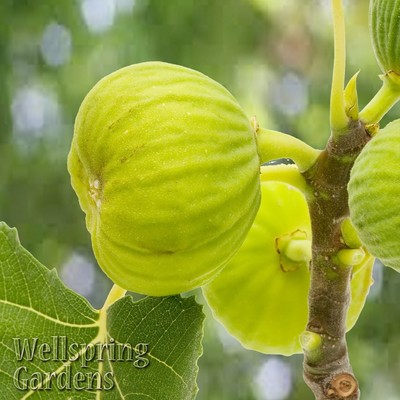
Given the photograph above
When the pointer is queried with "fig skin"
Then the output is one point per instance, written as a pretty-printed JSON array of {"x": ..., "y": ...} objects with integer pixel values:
[
  {"x": 165, "y": 165},
  {"x": 259, "y": 303},
  {"x": 385, "y": 32},
  {"x": 374, "y": 195}
]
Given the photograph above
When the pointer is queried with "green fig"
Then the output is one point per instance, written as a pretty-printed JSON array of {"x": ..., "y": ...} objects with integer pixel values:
[
  {"x": 374, "y": 195},
  {"x": 385, "y": 33},
  {"x": 164, "y": 163}
]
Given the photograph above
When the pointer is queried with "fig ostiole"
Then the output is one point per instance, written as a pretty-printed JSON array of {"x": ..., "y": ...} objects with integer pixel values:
[{"x": 164, "y": 162}]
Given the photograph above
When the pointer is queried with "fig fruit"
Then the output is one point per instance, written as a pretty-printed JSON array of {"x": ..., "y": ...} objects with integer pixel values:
[
  {"x": 374, "y": 195},
  {"x": 164, "y": 163},
  {"x": 261, "y": 296},
  {"x": 385, "y": 32}
]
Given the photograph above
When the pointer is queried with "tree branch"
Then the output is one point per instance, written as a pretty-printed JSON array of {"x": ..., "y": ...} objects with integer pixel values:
[{"x": 327, "y": 369}]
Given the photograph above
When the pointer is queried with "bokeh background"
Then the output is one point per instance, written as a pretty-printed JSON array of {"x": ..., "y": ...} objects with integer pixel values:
[{"x": 275, "y": 56}]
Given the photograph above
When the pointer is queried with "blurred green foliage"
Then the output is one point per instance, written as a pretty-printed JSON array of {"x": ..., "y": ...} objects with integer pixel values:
[{"x": 275, "y": 56}]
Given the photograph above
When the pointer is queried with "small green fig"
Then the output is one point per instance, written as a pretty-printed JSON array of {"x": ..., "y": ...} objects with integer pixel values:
[
  {"x": 385, "y": 32},
  {"x": 261, "y": 296},
  {"x": 374, "y": 195},
  {"x": 164, "y": 163}
]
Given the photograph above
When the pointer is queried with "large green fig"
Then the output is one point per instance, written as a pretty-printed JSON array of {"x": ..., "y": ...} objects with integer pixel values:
[
  {"x": 385, "y": 32},
  {"x": 261, "y": 296},
  {"x": 374, "y": 195},
  {"x": 164, "y": 162}
]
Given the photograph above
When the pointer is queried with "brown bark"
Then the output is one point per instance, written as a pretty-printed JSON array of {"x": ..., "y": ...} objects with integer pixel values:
[{"x": 327, "y": 371}]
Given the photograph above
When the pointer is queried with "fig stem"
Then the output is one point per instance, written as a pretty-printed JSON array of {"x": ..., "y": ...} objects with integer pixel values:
[
  {"x": 298, "y": 250},
  {"x": 289, "y": 174},
  {"x": 310, "y": 341},
  {"x": 273, "y": 145},
  {"x": 115, "y": 294},
  {"x": 387, "y": 96},
  {"x": 350, "y": 235},
  {"x": 350, "y": 257},
  {"x": 338, "y": 117}
]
